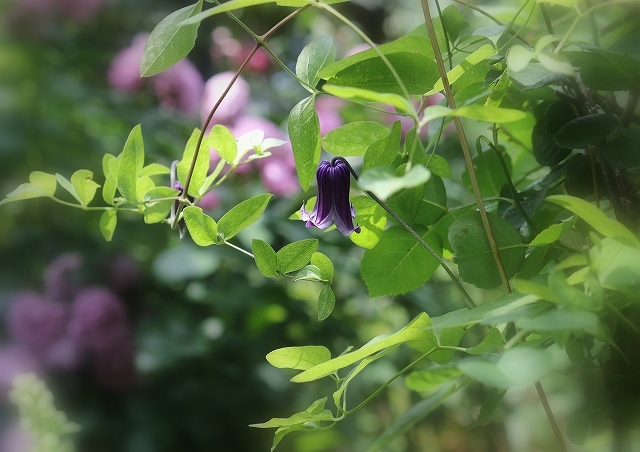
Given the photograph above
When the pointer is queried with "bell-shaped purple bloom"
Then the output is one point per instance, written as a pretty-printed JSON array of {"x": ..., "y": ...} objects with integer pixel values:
[{"x": 332, "y": 202}]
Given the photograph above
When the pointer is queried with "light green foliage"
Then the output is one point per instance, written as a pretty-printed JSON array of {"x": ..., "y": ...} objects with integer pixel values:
[
  {"x": 371, "y": 218},
  {"x": 157, "y": 211},
  {"x": 85, "y": 187},
  {"x": 383, "y": 181},
  {"x": 201, "y": 168},
  {"x": 424, "y": 204},
  {"x": 170, "y": 41},
  {"x": 48, "y": 427},
  {"x": 431, "y": 378},
  {"x": 383, "y": 151},
  {"x": 324, "y": 264},
  {"x": 110, "y": 165},
  {"x": 489, "y": 173},
  {"x": 44, "y": 182},
  {"x": 489, "y": 406},
  {"x": 399, "y": 264},
  {"x": 353, "y": 139},
  {"x": 300, "y": 358},
  {"x": 316, "y": 55},
  {"x": 454, "y": 74},
  {"x": 130, "y": 165},
  {"x": 473, "y": 253},
  {"x": 202, "y": 228},
  {"x": 492, "y": 341},
  {"x": 108, "y": 223},
  {"x": 265, "y": 257},
  {"x": 365, "y": 95},
  {"x": 295, "y": 255},
  {"x": 222, "y": 140},
  {"x": 326, "y": 302},
  {"x": 304, "y": 132},
  {"x": 241, "y": 216}
]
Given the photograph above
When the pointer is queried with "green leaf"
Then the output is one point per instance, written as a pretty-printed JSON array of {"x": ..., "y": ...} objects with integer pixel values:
[
  {"x": 412, "y": 416},
  {"x": 624, "y": 152},
  {"x": 371, "y": 218},
  {"x": 265, "y": 257},
  {"x": 24, "y": 191},
  {"x": 594, "y": 217},
  {"x": 384, "y": 151},
  {"x": 553, "y": 232},
  {"x": 202, "y": 228},
  {"x": 46, "y": 183},
  {"x": 424, "y": 204},
  {"x": 131, "y": 162},
  {"x": 156, "y": 211},
  {"x": 563, "y": 320},
  {"x": 154, "y": 169},
  {"x": 410, "y": 332},
  {"x": 428, "y": 379},
  {"x": 535, "y": 76},
  {"x": 489, "y": 406},
  {"x": 110, "y": 165},
  {"x": 454, "y": 22},
  {"x": 454, "y": 74},
  {"x": 300, "y": 358},
  {"x": 324, "y": 264},
  {"x": 519, "y": 57},
  {"x": 295, "y": 255},
  {"x": 438, "y": 166},
  {"x": 398, "y": 263},
  {"x": 578, "y": 428},
  {"x": 383, "y": 182},
  {"x": 223, "y": 141},
  {"x": 223, "y": 8},
  {"x": 473, "y": 254},
  {"x": 365, "y": 95},
  {"x": 312, "y": 414},
  {"x": 170, "y": 41},
  {"x": 492, "y": 341},
  {"x": 304, "y": 133},
  {"x": 556, "y": 63},
  {"x": 616, "y": 265},
  {"x": 517, "y": 367},
  {"x": 144, "y": 185},
  {"x": 354, "y": 139},
  {"x": 411, "y": 43},
  {"x": 326, "y": 302},
  {"x": 201, "y": 168},
  {"x": 67, "y": 185},
  {"x": 315, "y": 56},
  {"x": 300, "y": 3},
  {"x": 489, "y": 172},
  {"x": 243, "y": 215},
  {"x": 484, "y": 113},
  {"x": 309, "y": 273},
  {"x": 108, "y": 222},
  {"x": 581, "y": 132},
  {"x": 82, "y": 181},
  {"x": 545, "y": 150}
]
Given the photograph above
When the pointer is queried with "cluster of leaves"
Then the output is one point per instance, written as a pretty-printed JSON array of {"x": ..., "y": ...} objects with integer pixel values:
[{"x": 575, "y": 268}]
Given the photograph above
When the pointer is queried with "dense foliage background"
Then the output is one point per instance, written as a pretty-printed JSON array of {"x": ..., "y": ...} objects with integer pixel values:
[{"x": 151, "y": 343}]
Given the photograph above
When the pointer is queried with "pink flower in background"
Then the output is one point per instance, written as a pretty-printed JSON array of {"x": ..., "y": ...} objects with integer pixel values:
[
  {"x": 15, "y": 360},
  {"x": 210, "y": 201},
  {"x": 328, "y": 108},
  {"x": 124, "y": 72},
  {"x": 63, "y": 355},
  {"x": 233, "y": 105},
  {"x": 225, "y": 46},
  {"x": 98, "y": 319},
  {"x": 179, "y": 87},
  {"x": 279, "y": 178},
  {"x": 79, "y": 10},
  {"x": 35, "y": 320},
  {"x": 57, "y": 282},
  {"x": 357, "y": 49},
  {"x": 14, "y": 438}
]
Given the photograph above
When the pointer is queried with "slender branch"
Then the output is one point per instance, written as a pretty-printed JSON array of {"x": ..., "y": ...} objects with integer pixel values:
[
  {"x": 547, "y": 20},
  {"x": 465, "y": 149},
  {"x": 468, "y": 4},
  {"x": 237, "y": 248},
  {"x": 415, "y": 235},
  {"x": 551, "y": 417}
]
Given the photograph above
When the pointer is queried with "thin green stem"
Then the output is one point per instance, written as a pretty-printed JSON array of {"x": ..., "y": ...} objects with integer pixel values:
[
  {"x": 415, "y": 235},
  {"x": 547, "y": 19},
  {"x": 88, "y": 209},
  {"x": 388, "y": 382},
  {"x": 237, "y": 248},
  {"x": 465, "y": 149},
  {"x": 468, "y": 4},
  {"x": 517, "y": 33}
]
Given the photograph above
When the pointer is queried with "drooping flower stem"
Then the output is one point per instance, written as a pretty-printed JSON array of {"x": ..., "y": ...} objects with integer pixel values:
[{"x": 415, "y": 235}]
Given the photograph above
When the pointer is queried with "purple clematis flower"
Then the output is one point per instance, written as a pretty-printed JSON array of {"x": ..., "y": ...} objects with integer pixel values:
[{"x": 332, "y": 203}]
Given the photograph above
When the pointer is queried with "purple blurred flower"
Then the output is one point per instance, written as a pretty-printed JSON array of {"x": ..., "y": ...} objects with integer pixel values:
[
  {"x": 332, "y": 202},
  {"x": 98, "y": 319},
  {"x": 124, "y": 272},
  {"x": 210, "y": 201},
  {"x": 15, "y": 360},
  {"x": 35, "y": 320},
  {"x": 16, "y": 439},
  {"x": 233, "y": 105},
  {"x": 79, "y": 10},
  {"x": 63, "y": 355},
  {"x": 124, "y": 72},
  {"x": 328, "y": 108},
  {"x": 179, "y": 87},
  {"x": 114, "y": 367},
  {"x": 57, "y": 284},
  {"x": 279, "y": 178}
]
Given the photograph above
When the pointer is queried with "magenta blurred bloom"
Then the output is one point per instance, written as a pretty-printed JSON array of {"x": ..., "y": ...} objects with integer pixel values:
[
  {"x": 210, "y": 200},
  {"x": 180, "y": 87},
  {"x": 332, "y": 203},
  {"x": 63, "y": 355},
  {"x": 233, "y": 105},
  {"x": 57, "y": 282},
  {"x": 279, "y": 178},
  {"x": 124, "y": 72},
  {"x": 98, "y": 319},
  {"x": 35, "y": 320},
  {"x": 15, "y": 360},
  {"x": 328, "y": 109}
]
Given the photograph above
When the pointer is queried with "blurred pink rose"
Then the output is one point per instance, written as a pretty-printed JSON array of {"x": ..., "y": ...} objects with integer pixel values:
[
  {"x": 179, "y": 87},
  {"x": 36, "y": 321},
  {"x": 233, "y": 105},
  {"x": 328, "y": 108},
  {"x": 279, "y": 178},
  {"x": 57, "y": 282},
  {"x": 78, "y": 10},
  {"x": 15, "y": 360},
  {"x": 124, "y": 72}
]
